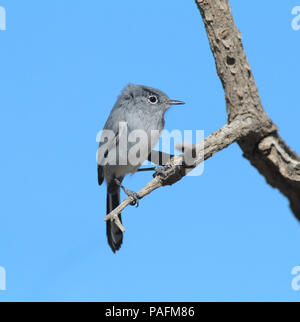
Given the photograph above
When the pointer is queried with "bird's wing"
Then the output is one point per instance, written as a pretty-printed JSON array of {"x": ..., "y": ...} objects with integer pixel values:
[
  {"x": 104, "y": 149},
  {"x": 102, "y": 153}
]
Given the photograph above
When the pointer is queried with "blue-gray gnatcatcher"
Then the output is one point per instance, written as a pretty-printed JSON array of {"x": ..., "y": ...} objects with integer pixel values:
[{"x": 138, "y": 113}]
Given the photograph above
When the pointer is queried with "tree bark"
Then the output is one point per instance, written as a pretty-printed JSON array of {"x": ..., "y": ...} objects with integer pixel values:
[{"x": 263, "y": 147}]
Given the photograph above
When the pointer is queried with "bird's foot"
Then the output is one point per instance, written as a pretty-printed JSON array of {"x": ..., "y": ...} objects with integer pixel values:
[
  {"x": 129, "y": 193},
  {"x": 134, "y": 196},
  {"x": 162, "y": 171}
]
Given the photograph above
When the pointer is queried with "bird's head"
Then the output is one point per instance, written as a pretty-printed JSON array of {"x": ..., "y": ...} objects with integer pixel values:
[{"x": 145, "y": 97}]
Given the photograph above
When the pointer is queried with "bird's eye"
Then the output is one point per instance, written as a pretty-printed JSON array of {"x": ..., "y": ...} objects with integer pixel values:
[{"x": 152, "y": 99}]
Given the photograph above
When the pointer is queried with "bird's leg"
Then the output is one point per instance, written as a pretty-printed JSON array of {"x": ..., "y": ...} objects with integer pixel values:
[
  {"x": 146, "y": 169},
  {"x": 162, "y": 171},
  {"x": 129, "y": 193},
  {"x": 161, "y": 159},
  {"x": 157, "y": 170}
]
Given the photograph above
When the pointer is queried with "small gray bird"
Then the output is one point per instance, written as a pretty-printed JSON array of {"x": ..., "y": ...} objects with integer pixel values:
[{"x": 138, "y": 108}]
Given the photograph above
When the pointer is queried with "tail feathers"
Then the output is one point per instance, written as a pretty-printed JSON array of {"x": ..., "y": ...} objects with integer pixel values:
[{"x": 114, "y": 234}]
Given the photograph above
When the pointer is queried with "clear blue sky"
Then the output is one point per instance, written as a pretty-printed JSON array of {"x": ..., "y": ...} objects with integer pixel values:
[{"x": 225, "y": 235}]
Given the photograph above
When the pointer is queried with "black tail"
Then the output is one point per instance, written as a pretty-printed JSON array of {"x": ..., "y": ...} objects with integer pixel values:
[{"x": 114, "y": 234}]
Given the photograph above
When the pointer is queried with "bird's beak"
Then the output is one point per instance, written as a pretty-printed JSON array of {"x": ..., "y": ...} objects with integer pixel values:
[{"x": 174, "y": 102}]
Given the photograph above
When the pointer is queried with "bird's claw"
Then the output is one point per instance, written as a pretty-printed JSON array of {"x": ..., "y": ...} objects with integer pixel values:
[
  {"x": 134, "y": 196},
  {"x": 129, "y": 193},
  {"x": 162, "y": 171}
]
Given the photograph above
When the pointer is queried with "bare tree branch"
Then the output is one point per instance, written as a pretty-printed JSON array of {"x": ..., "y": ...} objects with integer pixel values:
[
  {"x": 248, "y": 123},
  {"x": 263, "y": 147}
]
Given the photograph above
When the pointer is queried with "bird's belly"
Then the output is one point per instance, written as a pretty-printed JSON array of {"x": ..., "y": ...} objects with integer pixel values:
[{"x": 130, "y": 152}]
